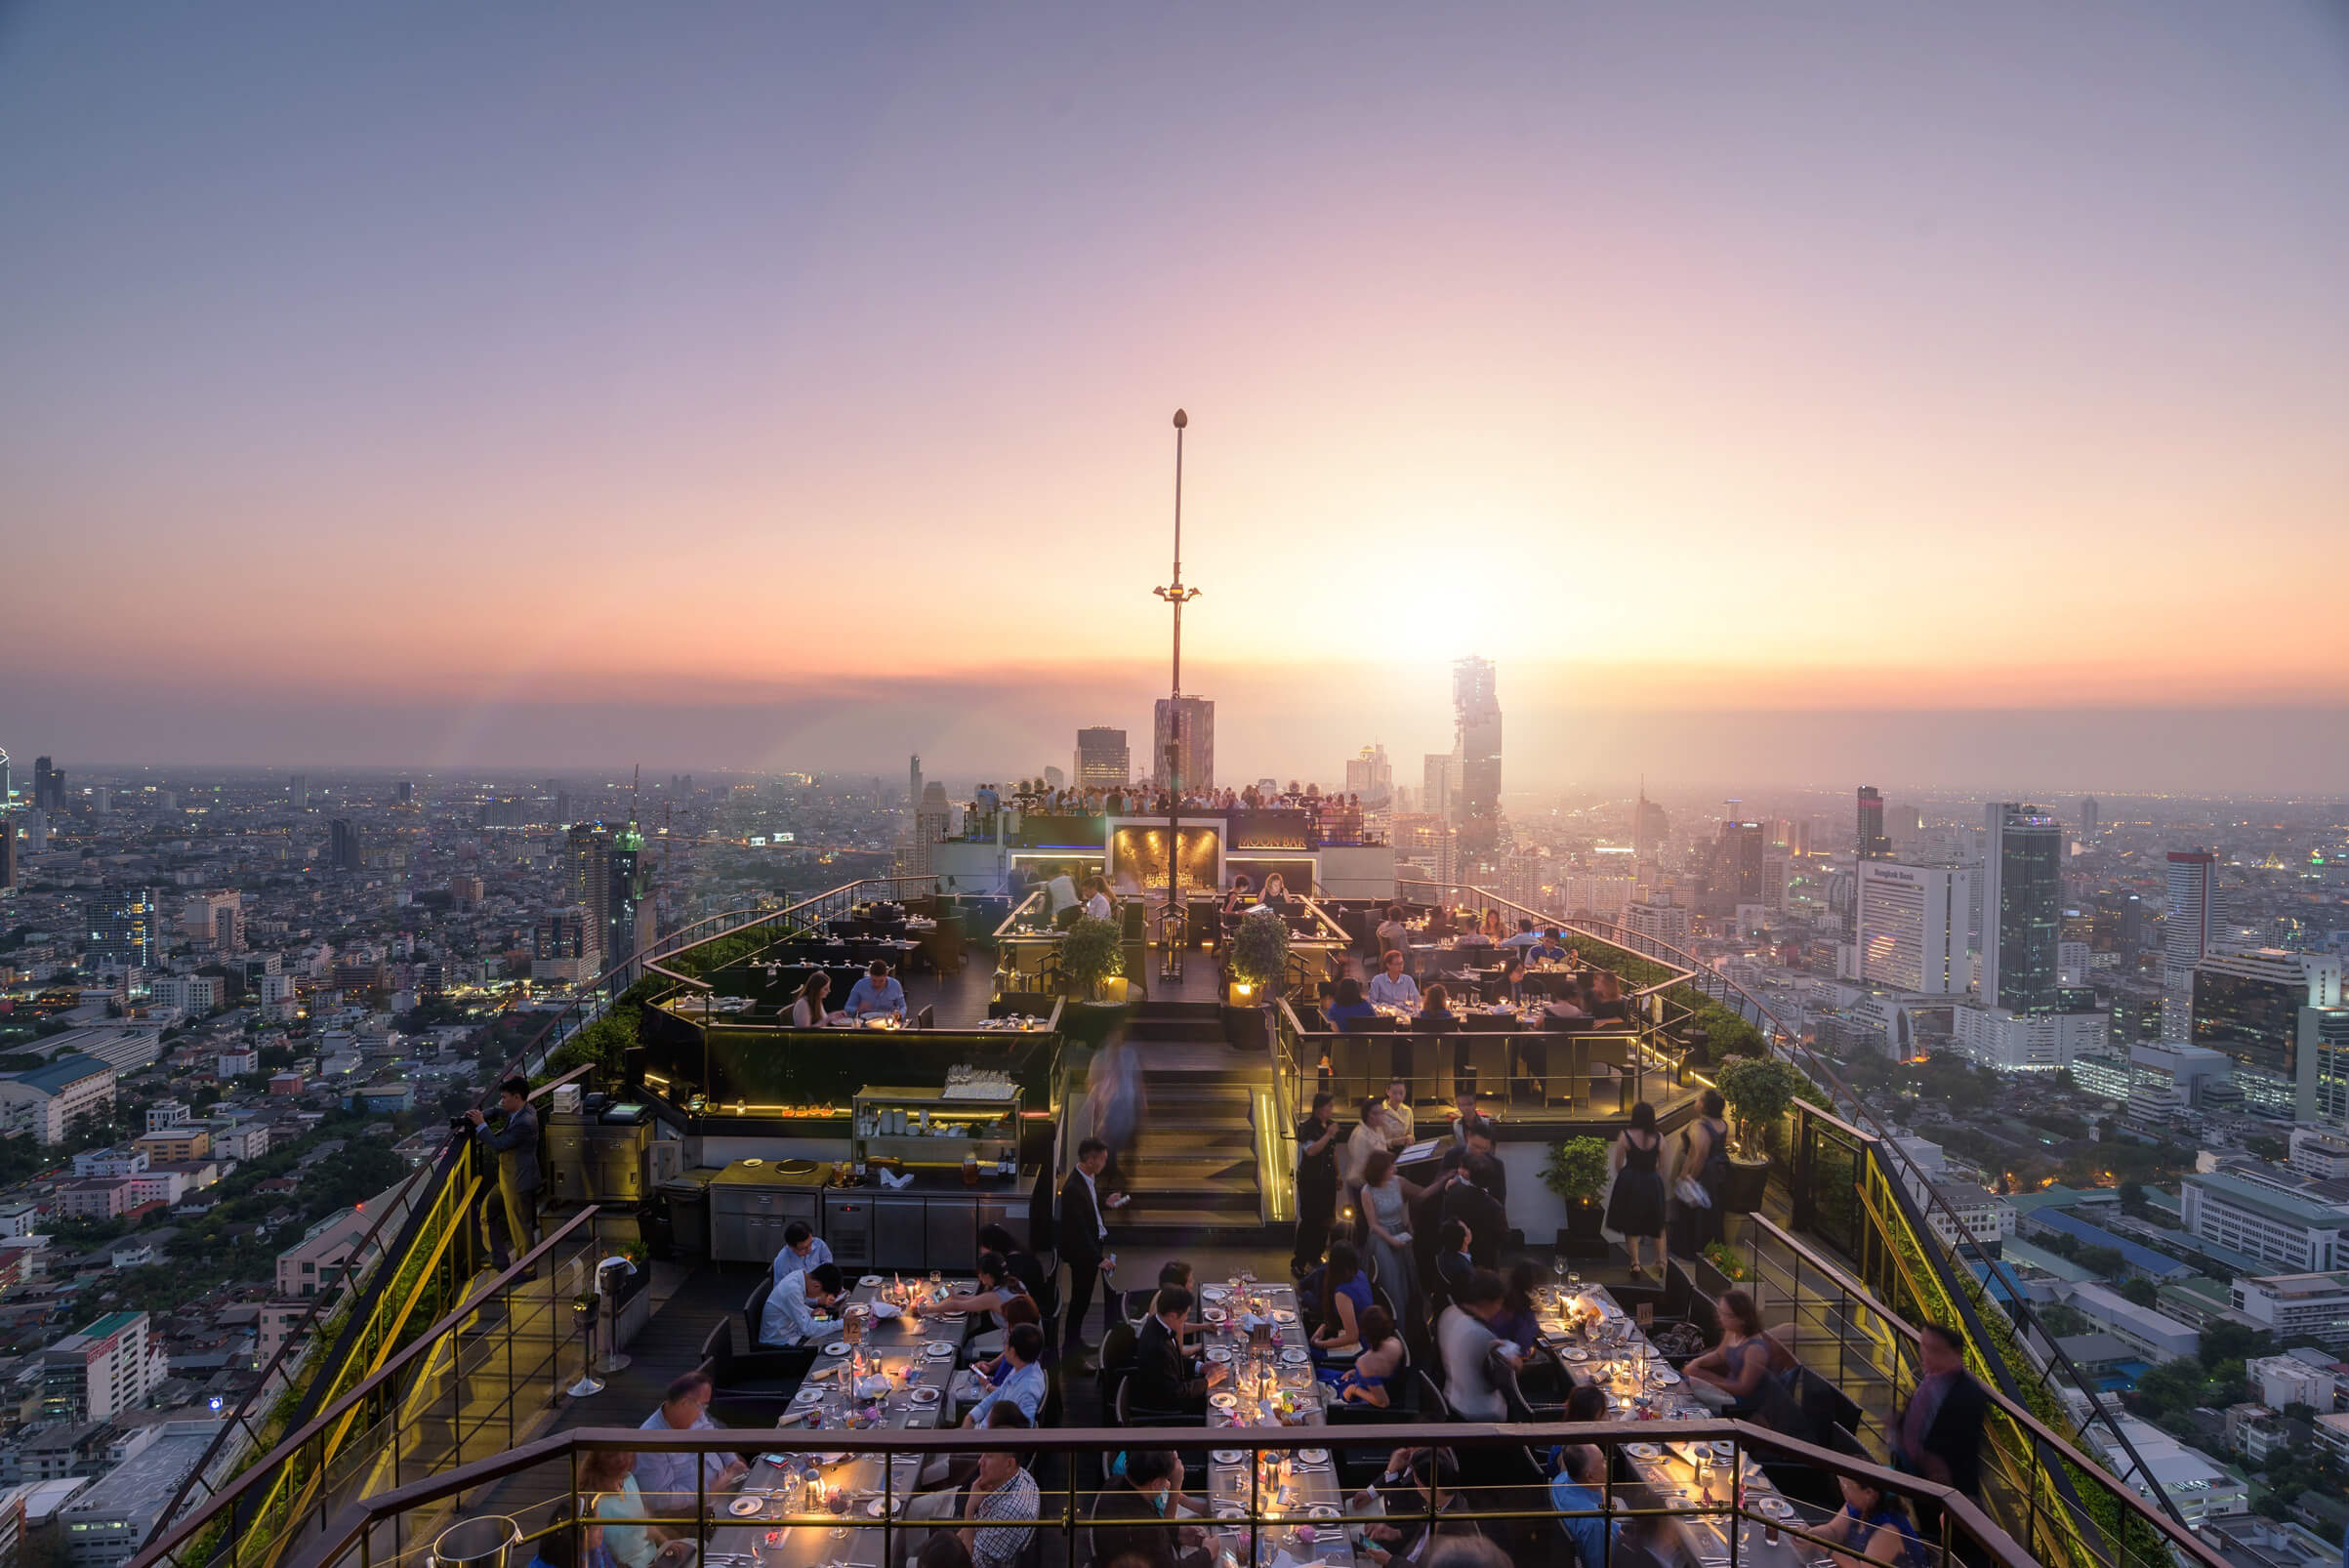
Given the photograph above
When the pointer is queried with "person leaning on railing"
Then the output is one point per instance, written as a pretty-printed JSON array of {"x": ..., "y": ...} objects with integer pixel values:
[{"x": 515, "y": 1145}]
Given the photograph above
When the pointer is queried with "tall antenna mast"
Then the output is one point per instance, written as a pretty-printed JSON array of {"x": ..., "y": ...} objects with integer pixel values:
[{"x": 1170, "y": 925}]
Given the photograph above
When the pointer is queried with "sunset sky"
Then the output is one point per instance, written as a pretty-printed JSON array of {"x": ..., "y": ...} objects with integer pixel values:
[{"x": 775, "y": 385}]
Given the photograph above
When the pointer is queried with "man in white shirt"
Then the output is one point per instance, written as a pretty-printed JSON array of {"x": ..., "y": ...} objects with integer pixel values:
[
  {"x": 1526, "y": 935},
  {"x": 1061, "y": 892},
  {"x": 667, "y": 1479},
  {"x": 793, "y": 1314},
  {"x": 802, "y": 1249},
  {"x": 1398, "y": 1111},
  {"x": 1392, "y": 988}
]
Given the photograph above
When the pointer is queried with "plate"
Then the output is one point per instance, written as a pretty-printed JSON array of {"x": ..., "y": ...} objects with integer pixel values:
[
  {"x": 1213, "y": 1315},
  {"x": 1724, "y": 1449},
  {"x": 924, "y": 1396},
  {"x": 1215, "y": 1292},
  {"x": 1322, "y": 1510},
  {"x": 1667, "y": 1379},
  {"x": 1226, "y": 1511},
  {"x": 1315, "y": 1455},
  {"x": 1295, "y": 1356},
  {"x": 1224, "y": 1401},
  {"x": 832, "y": 1458},
  {"x": 1281, "y": 1314},
  {"x": 1218, "y": 1353},
  {"x": 870, "y": 1279},
  {"x": 1643, "y": 1451},
  {"x": 807, "y": 1396},
  {"x": 874, "y": 1507},
  {"x": 1575, "y": 1352},
  {"x": 1228, "y": 1456},
  {"x": 744, "y": 1507},
  {"x": 1773, "y": 1508},
  {"x": 937, "y": 1349},
  {"x": 837, "y": 1347}
]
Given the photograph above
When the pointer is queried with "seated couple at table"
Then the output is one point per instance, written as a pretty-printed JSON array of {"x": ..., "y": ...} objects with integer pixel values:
[{"x": 877, "y": 995}]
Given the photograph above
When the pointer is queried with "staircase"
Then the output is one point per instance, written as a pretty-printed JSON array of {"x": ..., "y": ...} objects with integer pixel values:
[{"x": 1191, "y": 1168}]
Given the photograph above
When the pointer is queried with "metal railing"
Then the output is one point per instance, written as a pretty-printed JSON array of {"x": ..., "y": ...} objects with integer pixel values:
[
  {"x": 2041, "y": 1487},
  {"x": 419, "y": 1410},
  {"x": 1723, "y": 1510},
  {"x": 1906, "y": 1188}
]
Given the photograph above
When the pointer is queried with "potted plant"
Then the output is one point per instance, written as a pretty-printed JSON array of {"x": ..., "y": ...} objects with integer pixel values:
[
  {"x": 1760, "y": 1090},
  {"x": 1093, "y": 956},
  {"x": 1258, "y": 964},
  {"x": 1577, "y": 1172},
  {"x": 1724, "y": 1262}
]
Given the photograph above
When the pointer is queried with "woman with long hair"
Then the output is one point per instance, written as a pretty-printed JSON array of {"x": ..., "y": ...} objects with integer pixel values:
[
  {"x": 1635, "y": 1208},
  {"x": 1345, "y": 1295},
  {"x": 1517, "y": 1321},
  {"x": 1705, "y": 1159},
  {"x": 1371, "y": 1378},
  {"x": 1387, "y": 1206},
  {"x": 1732, "y": 1376},
  {"x": 807, "y": 1009}
]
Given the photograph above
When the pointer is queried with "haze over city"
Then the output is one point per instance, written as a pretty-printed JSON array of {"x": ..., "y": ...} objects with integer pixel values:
[{"x": 1952, "y": 396}]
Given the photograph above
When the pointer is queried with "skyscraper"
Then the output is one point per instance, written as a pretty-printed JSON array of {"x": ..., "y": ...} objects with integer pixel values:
[
  {"x": 403, "y": 793},
  {"x": 1189, "y": 724},
  {"x": 1738, "y": 870},
  {"x": 912, "y": 782},
  {"x": 1649, "y": 827},
  {"x": 2090, "y": 812},
  {"x": 7, "y": 852},
  {"x": 1371, "y": 776},
  {"x": 1912, "y": 927},
  {"x": 1439, "y": 794},
  {"x": 47, "y": 787},
  {"x": 1103, "y": 761},
  {"x": 123, "y": 935},
  {"x": 587, "y": 875},
  {"x": 296, "y": 792},
  {"x": 628, "y": 908},
  {"x": 346, "y": 850},
  {"x": 2249, "y": 1005},
  {"x": 7, "y": 789},
  {"x": 1874, "y": 843},
  {"x": 1476, "y": 741},
  {"x": 2188, "y": 931},
  {"x": 2022, "y": 908}
]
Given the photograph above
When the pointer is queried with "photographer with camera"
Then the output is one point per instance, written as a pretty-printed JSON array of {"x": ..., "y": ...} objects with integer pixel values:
[{"x": 515, "y": 1145}]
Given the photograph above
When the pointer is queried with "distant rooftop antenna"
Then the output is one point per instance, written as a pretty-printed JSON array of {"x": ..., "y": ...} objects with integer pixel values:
[{"x": 1169, "y": 930}]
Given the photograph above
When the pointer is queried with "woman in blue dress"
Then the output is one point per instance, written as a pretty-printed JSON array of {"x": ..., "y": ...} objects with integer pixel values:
[
  {"x": 1874, "y": 1528},
  {"x": 1370, "y": 1379},
  {"x": 1345, "y": 1295}
]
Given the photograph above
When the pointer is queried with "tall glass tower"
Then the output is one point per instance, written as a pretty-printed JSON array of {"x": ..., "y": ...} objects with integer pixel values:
[
  {"x": 2022, "y": 908},
  {"x": 1476, "y": 721}
]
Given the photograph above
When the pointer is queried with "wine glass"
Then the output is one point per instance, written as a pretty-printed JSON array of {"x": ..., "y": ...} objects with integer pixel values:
[{"x": 838, "y": 1503}]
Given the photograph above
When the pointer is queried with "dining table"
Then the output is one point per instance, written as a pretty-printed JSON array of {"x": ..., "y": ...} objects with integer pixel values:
[
  {"x": 1254, "y": 1328},
  {"x": 1600, "y": 1345}
]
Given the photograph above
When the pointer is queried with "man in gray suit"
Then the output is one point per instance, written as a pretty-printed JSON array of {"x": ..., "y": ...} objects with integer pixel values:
[{"x": 515, "y": 1145}]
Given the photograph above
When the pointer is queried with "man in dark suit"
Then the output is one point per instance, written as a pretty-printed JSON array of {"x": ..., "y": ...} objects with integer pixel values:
[
  {"x": 1316, "y": 1183},
  {"x": 1471, "y": 1202},
  {"x": 1939, "y": 1433},
  {"x": 1084, "y": 1228},
  {"x": 1475, "y": 1138},
  {"x": 1166, "y": 1380},
  {"x": 515, "y": 1146}
]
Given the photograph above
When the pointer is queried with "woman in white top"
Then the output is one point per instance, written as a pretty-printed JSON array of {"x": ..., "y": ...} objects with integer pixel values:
[{"x": 807, "y": 1011}]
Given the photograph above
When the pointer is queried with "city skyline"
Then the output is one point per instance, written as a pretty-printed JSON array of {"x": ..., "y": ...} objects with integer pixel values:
[{"x": 1746, "y": 323}]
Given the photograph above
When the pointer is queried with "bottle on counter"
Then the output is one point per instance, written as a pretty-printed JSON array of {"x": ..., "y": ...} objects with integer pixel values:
[{"x": 970, "y": 1168}]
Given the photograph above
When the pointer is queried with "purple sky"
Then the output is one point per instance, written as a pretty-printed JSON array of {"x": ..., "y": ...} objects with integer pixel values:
[{"x": 756, "y": 384}]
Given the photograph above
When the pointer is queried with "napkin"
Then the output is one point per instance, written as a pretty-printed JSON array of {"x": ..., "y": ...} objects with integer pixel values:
[
  {"x": 887, "y": 1310},
  {"x": 890, "y": 1178}
]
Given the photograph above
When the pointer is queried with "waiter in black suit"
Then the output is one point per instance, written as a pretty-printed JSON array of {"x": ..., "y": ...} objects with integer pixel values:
[{"x": 1084, "y": 1229}]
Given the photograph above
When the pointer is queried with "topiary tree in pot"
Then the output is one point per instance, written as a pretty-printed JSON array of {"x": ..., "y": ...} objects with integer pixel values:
[
  {"x": 1577, "y": 1172},
  {"x": 1260, "y": 964},
  {"x": 1759, "y": 1089},
  {"x": 1091, "y": 954}
]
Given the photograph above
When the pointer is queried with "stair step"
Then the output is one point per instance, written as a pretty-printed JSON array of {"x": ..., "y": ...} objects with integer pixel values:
[
  {"x": 1168, "y": 1007},
  {"x": 1197, "y": 1225},
  {"x": 1151, "y": 1169}
]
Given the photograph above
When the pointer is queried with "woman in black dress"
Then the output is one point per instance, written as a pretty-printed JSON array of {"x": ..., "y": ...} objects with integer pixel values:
[{"x": 1635, "y": 1208}]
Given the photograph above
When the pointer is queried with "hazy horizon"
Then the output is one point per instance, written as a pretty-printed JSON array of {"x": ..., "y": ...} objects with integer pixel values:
[{"x": 1952, "y": 395}]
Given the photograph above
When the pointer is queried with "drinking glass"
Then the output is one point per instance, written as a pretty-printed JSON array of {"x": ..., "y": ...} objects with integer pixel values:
[{"x": 837, "y": 1502}]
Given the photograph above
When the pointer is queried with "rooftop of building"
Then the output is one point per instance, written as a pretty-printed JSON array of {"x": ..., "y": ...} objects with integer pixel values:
[
  {"x": 62, "y": 1073},
  {"x": 2276, "y": 1203},
  {"x": 2143, "y": 1260},
  {"x": 2298, "y": 1286},
  {"x": 144, "y": 1482}
]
